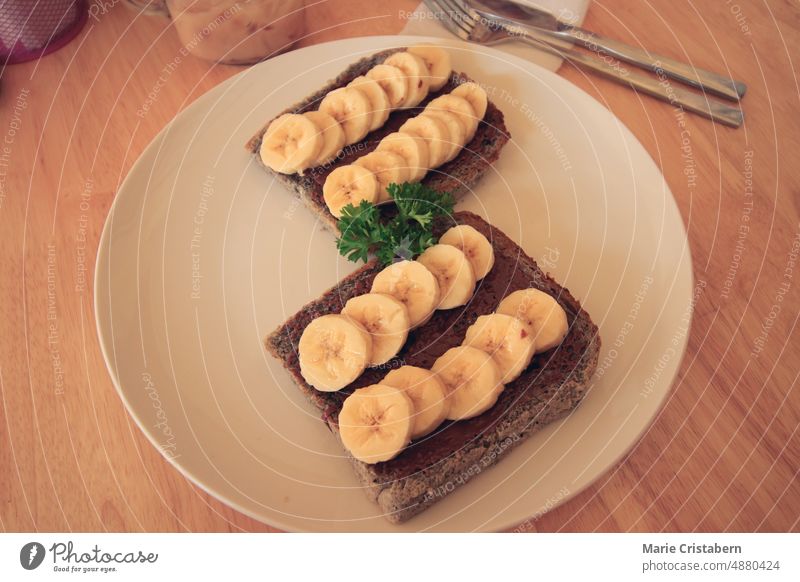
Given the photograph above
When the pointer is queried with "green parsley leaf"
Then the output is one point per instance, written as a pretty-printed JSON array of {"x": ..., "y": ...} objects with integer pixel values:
[
  {"x": 404, "y": 236},
  {"x": 419, "y": 203},
  {"x": 358, "y": 226}
]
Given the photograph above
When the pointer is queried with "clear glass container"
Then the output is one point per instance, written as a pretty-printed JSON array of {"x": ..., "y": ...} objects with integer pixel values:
[{"x": 237, "y": 32}]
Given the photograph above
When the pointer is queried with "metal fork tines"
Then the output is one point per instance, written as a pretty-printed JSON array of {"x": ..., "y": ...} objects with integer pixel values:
[{"x": 474, "y": 25}]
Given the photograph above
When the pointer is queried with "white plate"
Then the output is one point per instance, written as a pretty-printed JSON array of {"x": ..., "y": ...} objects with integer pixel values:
[{"x": 203, "y": 254}]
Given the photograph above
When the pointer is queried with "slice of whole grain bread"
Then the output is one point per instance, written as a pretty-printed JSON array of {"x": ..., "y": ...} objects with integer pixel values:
[
  {"x": 434, "y": 466},
  {"x": 458, "y": 176}
]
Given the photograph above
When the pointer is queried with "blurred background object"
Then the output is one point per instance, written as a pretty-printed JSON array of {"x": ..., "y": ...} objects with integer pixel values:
[
  {"x": 148, "y": 6},
  {"x": 29, "y": 29},
  {"x": 237, "y": 32}
]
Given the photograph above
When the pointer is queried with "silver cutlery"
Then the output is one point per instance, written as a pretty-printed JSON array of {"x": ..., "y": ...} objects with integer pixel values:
[
  {"x": 548, "y": 25},
  {"x": 483, "y": 26}
]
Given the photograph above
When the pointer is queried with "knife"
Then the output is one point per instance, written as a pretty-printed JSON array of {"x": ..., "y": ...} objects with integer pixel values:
[{"x": 557, "y": 32}]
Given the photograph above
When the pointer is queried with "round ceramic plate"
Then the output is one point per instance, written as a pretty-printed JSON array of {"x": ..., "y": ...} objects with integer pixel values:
[{"x": 203, "y": 254}]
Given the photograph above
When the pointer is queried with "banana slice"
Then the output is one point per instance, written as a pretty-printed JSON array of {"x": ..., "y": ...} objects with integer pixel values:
[
  {"x": 378, "y": 99},
  {"x": 393, "y": 81},
  {"x": 435, "y": 134},
  {"x": 416, "y": 74},
  {"x": 386, "y": 320},
  {"x": 351, "y": 108},
  {"x": 453, "y": 272},
  {"x": 506, "y": 339},
  {"x": 333, "y": 351},
  {"x": 438, "y": 62},
  {"x": 349, "y": 185},
  {"x": 477, "y": 247},
  {"x": 332, "y": 136},
  {"x": 413, "y": 285},
  {"x": 290, "y": 144},
  {"x": 375, "y": 423},
  {"x": 545, "y": 318},
  {"x": 455, "y": 129},
  {"x": 387, "y": 167},
  {"x": 472, "y": 380},
  {"x": 426, "y": 392},
  {"x": 461, "y": 108},
  {"x": 475, "y": 96},
  {"x": 412, "y": 149}
]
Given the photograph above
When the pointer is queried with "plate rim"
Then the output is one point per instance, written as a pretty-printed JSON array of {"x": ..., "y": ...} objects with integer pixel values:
[{"x": 103, "y": 256}]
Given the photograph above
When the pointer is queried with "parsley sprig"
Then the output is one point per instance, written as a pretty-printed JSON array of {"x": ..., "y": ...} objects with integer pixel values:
[{"x": 404, "y": 236}]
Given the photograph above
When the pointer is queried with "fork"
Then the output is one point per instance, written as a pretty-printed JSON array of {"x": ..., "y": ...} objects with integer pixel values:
[
  {"x": 475, "y": 25},
  {"x": 550, "y": 28}
]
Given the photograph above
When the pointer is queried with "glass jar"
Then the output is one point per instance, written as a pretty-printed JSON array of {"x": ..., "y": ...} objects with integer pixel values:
[
  {"x": 237, "y": 32},
  {"x": 31, "y": 30}
]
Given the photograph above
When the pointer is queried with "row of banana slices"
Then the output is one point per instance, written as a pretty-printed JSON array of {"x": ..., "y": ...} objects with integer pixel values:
[
  {"x": 371, "y": 329},
  {"x": 295, "y": 142},
  {"x": 424, "y": 142},
  {"x": 378, "y": 421}
]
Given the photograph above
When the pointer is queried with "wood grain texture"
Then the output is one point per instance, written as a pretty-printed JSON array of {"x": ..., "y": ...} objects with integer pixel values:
[{"x": 724, "y": 451}]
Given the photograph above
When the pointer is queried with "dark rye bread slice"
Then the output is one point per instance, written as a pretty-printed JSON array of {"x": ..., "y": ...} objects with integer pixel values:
[
  {"x": 458, "y": 176},
  {"x": 434, "y": 466}
]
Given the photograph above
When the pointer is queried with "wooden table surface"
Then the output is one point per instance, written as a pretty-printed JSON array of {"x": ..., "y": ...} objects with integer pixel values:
[{"x": 723, "y": 453}]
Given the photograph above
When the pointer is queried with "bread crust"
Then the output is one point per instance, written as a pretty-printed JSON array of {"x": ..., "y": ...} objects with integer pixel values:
[{"x": 435, "y": 466}]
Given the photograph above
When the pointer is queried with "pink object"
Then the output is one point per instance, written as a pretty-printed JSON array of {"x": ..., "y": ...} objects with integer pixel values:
[{"x": 30, "y": 29}]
